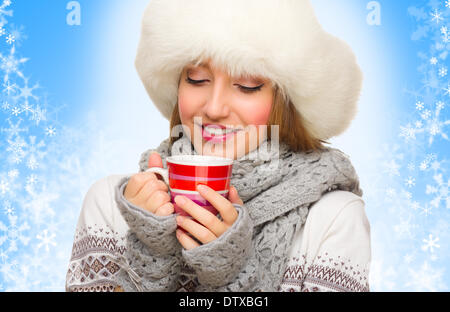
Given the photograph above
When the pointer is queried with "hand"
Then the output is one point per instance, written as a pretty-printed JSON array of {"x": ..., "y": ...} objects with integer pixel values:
[
  {"x": 148, "y": 192},
  {"x": 209, "y": 227}
]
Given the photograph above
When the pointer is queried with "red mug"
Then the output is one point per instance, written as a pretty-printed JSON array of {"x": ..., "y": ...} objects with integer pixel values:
[{"x": 185, "y": 172}]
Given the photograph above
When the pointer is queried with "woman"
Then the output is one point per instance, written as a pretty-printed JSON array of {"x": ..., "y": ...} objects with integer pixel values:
[{"x": 295, "y": 218}]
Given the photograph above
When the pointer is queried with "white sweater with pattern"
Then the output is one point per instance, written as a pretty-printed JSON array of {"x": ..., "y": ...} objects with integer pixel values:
[{"x": 331, "y": 251}]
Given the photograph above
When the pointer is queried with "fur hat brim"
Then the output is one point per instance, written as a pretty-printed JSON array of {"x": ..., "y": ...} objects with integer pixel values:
[{"x": 278, "y": 39}]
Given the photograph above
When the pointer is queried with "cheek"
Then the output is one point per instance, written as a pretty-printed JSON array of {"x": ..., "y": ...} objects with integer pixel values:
[
  {"x": 257, "y": 113},
  {"x": 186, "y": 104}
]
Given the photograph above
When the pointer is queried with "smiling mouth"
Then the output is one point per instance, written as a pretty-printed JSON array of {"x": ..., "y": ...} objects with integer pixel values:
[
  {"x": 216, "y": 134},
  {"x": 215, "y": 130}
]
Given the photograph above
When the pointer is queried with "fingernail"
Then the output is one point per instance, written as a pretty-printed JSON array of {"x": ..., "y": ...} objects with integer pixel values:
[
  {"x": 180, "y": 200},
  {"x": 179, "y": 220},
  {"x": 202, "y": 188}
]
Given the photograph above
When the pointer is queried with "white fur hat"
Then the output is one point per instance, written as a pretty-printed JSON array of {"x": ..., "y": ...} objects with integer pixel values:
[{"x": 278, "y": 39}]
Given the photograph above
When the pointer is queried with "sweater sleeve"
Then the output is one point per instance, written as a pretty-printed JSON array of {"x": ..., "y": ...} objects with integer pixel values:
[
  {"x": 99, "y": 239},
  {"x": 152, "y": 261},
  {"x": 332, "y": 252},
  {"x": 230, "y": 258}
]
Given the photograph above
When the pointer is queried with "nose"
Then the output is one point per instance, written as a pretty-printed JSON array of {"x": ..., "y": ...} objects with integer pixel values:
[{"x": 217, "y": 106}]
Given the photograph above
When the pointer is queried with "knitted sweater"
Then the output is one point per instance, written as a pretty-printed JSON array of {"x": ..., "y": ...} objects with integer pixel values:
[{"x": 155, "y": 259}]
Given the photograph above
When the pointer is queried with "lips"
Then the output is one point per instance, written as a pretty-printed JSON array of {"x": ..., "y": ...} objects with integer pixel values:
[
  {"x": 217, "y": 138},
  {"x": 215, "y": 126}
]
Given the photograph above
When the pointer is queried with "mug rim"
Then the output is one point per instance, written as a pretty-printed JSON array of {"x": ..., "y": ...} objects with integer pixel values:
[{"x": 200, "y": 160}]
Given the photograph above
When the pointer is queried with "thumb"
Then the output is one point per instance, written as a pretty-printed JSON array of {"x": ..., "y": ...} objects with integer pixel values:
[
  {"x": 234, "y": 196},
  {"x": 155, "y": 160}
]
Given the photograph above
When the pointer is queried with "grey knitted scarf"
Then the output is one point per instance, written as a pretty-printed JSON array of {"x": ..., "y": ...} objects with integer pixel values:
[{"x": 278, "y": 187}]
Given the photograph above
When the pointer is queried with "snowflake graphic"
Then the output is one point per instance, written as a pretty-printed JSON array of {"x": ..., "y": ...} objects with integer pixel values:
[
  {"x": 440, "y": 191},
  {"x": 436, "y": 16},
  {"x": 46, "y": 240},
  {"x": 10, "y": 64},
  {"x": 425, "y": 278},
  {"x": 430, "y": 124},
  {"x": 430, "y": 243},
  {"x": 14, "y": 233},
  {"x": 14, "y": 129},
  {"x": 416, "y": 199}
]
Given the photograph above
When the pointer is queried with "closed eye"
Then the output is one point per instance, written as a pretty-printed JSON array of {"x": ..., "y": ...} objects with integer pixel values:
[{"x": 242, "y": 88}]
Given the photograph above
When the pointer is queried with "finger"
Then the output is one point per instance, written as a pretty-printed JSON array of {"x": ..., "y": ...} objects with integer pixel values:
[
  {"x": 224, "y": 206},
  {"x": 205, "y": 217},
  {"x": 155, "y": 160},
  {"x": 196, "y": 229},
  {"x": 151, "y": 186},
  {"x": 158, "y": 199},
  {"x": 234, "y": 196},
  {"x": 165, "y": 210},
  {"x": 186, "y": 241},
  {"x": 137, "y": 182}
]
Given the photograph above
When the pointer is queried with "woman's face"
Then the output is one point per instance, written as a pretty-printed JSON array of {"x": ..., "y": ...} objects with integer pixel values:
[{"x": 209, "y": 96}]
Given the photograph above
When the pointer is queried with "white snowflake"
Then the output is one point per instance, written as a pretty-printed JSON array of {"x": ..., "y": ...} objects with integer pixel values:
[
  {"x": 32, "y": 179},
  {"x": 426, "y": 210},
  {"x": 439, "y": 191},
  {"x": 445, "y": 34},
  {"x": 18, "y": 33},
  {"x": 32, "y": 162},
  {"x": 410, "y": 182},
  {"x": 10, "y": 39},
  {"x": 46, "y": 240},
  {"x": 16, "y": 111},
  {"x": 4, "y": 187},
  {"x": 425, "y": 278},
  {"x": 405, "y": 228},
  {"x": 50, "y": 131},
  {"x": 26, "y": 93},
  {"x": 435, "y": 165},
  {"x": 7, "y": 208},
  {"x": 38, "y": 205},
  {"x": 409, "y": 132},
  {"x": 432, "y": 124},
  {"x": 447, "y": 90},
  {"x": 443, "y": 72},
  {"x": 9, "y": 88},
  {"x": 6, "y": 105},
  {"x": 27, "y": 108},
  {"x": 392, "y": 167},
  {"x": 419, "y": 105},
  {"x": 433, "y": 60},
  {"x": 16, "y": 149},
  {"x": 14, "y": 233},
  {"x": 36, "y": 150},
  {"x": 437, "y": 16},
  {"x": 39, "y": 115},
  {"x": 10, "y": 64},
  {"x": 415, "y": 205},
  {"x": 13, "y": 173},
  {"x": 430, "y": 243},
  {"x": 14, "y": 129}
]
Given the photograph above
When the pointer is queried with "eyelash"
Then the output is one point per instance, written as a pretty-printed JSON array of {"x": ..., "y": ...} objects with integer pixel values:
[{"x": 244, "y": 89}]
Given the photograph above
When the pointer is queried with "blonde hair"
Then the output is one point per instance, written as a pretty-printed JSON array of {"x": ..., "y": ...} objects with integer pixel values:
[{"x": 291, "y": 125}]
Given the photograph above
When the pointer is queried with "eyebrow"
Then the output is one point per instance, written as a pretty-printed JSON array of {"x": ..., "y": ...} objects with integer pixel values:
[{"x": 202, "y": 64}]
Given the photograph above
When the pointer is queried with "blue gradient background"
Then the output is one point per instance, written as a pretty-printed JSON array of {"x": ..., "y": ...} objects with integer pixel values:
[{"x": 104, "y": 120}]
